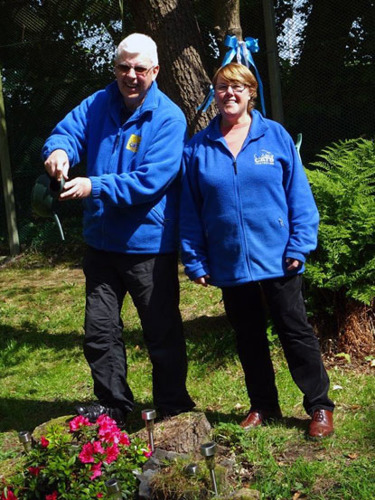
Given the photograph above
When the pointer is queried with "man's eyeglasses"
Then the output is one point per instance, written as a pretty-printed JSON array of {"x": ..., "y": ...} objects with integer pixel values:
[
  {"x": 236, "y": 87},
  {"x": 138, "y": 70}
]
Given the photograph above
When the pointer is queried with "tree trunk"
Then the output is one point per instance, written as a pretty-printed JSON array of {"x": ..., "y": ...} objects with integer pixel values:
[
  {"x": 173, "y": 26},
  {"x": 227, "y": 22}
]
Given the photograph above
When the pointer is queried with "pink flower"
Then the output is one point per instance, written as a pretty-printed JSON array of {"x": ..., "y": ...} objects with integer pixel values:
[
  {"x": 97, "y": 447},
  {"x": 112, "y": 453},
  {"x": 78, "y": 422},
  {"x": 87, "y": 454},
  {"x": 97, "y": 470},
  {"x": 106, "y": 420},
  {"x": 34, "y": 471},
  {"x": 44, "y": 442},
  {"x": 52, "y": 496},
  {"x": 147, "y": 453},
  {"x": 10, "y": 496},
  {"x": 88, "y": 450},
  {"x": 124, "y": 439},
  {"x": 108, "y": 430},
  {"x": 99, "y": 495}
]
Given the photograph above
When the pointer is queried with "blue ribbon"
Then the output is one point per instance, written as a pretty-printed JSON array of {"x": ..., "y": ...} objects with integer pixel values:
[
  {"x": 207, "y": 100},
  {"x": 243, "y": 53}
]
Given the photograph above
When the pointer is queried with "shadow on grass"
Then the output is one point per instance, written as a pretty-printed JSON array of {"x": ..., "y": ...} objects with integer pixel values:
[
  {"x": 209, "y": 339},
  {"x": 22, "y": 414},
  {"x": 236, "y": 417}
]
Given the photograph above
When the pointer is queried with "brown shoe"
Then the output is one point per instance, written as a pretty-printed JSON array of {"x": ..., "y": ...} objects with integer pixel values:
[
  {"x": 259, "y": 417},
  {"x": 321, "y": 424}
]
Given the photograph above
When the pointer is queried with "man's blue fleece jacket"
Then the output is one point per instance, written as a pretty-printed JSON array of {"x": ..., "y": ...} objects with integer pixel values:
[
  {"x": 133, "y": 167},
  {"x": 241, "y": 218}
]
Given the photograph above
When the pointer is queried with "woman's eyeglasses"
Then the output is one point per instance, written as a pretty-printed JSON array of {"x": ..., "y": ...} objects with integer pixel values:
[{"x": 236, "y": 87}]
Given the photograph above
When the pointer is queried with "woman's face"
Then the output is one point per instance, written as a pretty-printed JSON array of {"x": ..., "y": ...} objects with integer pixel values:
[{"x": 232, "y": 98}]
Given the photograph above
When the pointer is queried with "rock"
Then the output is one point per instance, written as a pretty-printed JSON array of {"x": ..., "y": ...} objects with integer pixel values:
[
  {"x": 245, "y": 494},
  {"x": 151, "y": 467},
  {"x": 181, "y": 434}
]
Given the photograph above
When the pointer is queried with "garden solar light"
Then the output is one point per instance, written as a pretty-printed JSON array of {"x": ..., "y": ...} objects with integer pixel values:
[
  {"x": 26, "y": 439},
  {"x": 44, "y": 198},
  {"x": 192, "y": 469},
  {"x": 149, "y": 416},
  {"x": 113, "y": 488},
  {"x": 208, "y": 451}
]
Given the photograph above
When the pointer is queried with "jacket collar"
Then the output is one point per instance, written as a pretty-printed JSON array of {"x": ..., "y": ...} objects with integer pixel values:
[
  {"x": 116, "y": 101},
  {"x": 257, "y": 129}
]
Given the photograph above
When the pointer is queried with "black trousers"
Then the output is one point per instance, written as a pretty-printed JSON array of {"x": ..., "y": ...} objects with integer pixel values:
[
  {"x": 246, "y": 312},
  {"x": 152, "y": 282}
]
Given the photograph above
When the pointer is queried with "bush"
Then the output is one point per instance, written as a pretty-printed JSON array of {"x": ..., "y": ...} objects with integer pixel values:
[
  {"x": 76, "y": 464},
  {"x": 342, "y": 269},
  {"x": 343, "y": 184}
]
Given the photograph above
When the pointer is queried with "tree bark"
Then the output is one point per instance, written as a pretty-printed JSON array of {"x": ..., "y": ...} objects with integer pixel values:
[
  {"x": 227, "y": 22},
  {"x": 173, "y": 26}
]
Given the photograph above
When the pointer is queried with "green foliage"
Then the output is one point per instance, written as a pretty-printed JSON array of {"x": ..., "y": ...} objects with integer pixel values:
[
  {"x": 343, "y": 184},
  {"x": 76, "y": 463}
]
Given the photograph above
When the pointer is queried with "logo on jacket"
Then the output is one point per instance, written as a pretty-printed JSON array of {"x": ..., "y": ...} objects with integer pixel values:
[
  {"x": 133, "y": 143},
  {"x": 265, "y": 158}
]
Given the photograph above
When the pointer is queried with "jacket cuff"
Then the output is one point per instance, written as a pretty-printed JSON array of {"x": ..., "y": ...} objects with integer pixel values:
[
  {"x": 290, "y": 254},
  {"x": 95, "y": 187},
  {"x": 196, "y": 272}
]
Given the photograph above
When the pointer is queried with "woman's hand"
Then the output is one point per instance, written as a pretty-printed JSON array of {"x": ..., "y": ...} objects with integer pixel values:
[
  {"x": 202, "y": 280},
  {"x": 292, "y": 264}
]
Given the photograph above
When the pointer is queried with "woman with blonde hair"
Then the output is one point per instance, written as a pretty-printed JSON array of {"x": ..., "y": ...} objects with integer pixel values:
[{"x": 248, "y": 222}]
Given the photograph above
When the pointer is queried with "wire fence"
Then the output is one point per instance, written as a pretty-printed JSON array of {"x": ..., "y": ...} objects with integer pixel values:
[{"x": 55, "y": 53}]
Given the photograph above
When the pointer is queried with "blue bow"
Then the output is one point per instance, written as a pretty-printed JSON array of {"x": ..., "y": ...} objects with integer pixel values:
[{"x": 243, "y": 53}]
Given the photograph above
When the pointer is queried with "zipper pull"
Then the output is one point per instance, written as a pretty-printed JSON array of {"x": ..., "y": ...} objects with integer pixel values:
[{"x": 235, "y": 167}]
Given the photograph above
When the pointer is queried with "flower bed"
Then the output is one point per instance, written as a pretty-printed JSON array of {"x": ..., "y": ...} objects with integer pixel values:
[{"x": 76, "y": 462}]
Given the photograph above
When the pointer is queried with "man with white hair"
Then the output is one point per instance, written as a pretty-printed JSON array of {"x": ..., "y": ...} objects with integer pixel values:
[{"x": 131, "y": 137}]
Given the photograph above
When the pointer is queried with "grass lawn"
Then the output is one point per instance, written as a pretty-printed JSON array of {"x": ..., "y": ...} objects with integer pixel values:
[{"x": 43, "y": 374}]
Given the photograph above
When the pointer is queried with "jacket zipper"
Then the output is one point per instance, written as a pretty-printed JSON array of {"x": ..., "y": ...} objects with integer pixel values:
[{"x": 242, "y": 223}]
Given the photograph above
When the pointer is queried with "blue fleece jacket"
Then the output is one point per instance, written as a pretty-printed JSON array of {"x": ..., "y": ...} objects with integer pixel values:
[
  {"x": 133, "y": 167},
  {"x": 241, "y": 218}
]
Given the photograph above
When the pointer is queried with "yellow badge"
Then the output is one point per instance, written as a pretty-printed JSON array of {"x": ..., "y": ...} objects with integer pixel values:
[{"x": 133, "y": 143}]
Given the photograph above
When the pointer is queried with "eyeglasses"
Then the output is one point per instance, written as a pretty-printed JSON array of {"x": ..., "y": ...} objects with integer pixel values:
[
  {"x": 138, "y": 70},
  {"x": 236, "y": 87}
]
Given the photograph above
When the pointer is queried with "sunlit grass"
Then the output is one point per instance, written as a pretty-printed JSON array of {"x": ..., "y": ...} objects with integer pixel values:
[{"x": 43, "y": 374}]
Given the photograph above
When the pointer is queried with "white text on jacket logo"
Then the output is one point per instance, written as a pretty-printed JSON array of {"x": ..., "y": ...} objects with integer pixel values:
[
  {"x": 133, "y": 143},
  {"x": 265, "y": 158}
]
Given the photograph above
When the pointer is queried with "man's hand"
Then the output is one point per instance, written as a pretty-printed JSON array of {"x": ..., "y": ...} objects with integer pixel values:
[
  {"x": 202, "y": 280},
  {"x": 57, "y": 164},
  {"x": 292, "y": 264},
  {"x": 77, "y": 188}
]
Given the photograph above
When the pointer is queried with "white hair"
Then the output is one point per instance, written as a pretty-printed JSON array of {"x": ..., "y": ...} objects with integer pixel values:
[{"x": 138, "y": 44}]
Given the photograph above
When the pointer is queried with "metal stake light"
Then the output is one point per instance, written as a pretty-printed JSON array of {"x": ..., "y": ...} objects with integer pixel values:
[
  {"x": 113, "y": 489},
  {"x": 26, "y": 439},
  {"x": 149, "y": 417},
  {"x": 208, "y": 451}
]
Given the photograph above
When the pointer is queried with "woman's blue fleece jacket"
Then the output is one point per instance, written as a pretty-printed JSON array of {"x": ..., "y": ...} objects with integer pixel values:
[
  {"x": 133, "y": 167},
  {"x": 241, "y": 218}
]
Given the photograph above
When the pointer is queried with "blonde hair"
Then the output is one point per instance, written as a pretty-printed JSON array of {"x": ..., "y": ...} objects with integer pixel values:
[
  {"x": 238, "y": 73},
  {"x": 138, "y": 44}
]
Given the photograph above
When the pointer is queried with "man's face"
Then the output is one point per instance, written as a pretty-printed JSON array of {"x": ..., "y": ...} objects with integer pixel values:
[{"x": 134, "y": 75}]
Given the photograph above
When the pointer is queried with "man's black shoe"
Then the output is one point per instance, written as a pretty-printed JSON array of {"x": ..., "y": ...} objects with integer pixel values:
[{"x": 92, "y": 412}]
